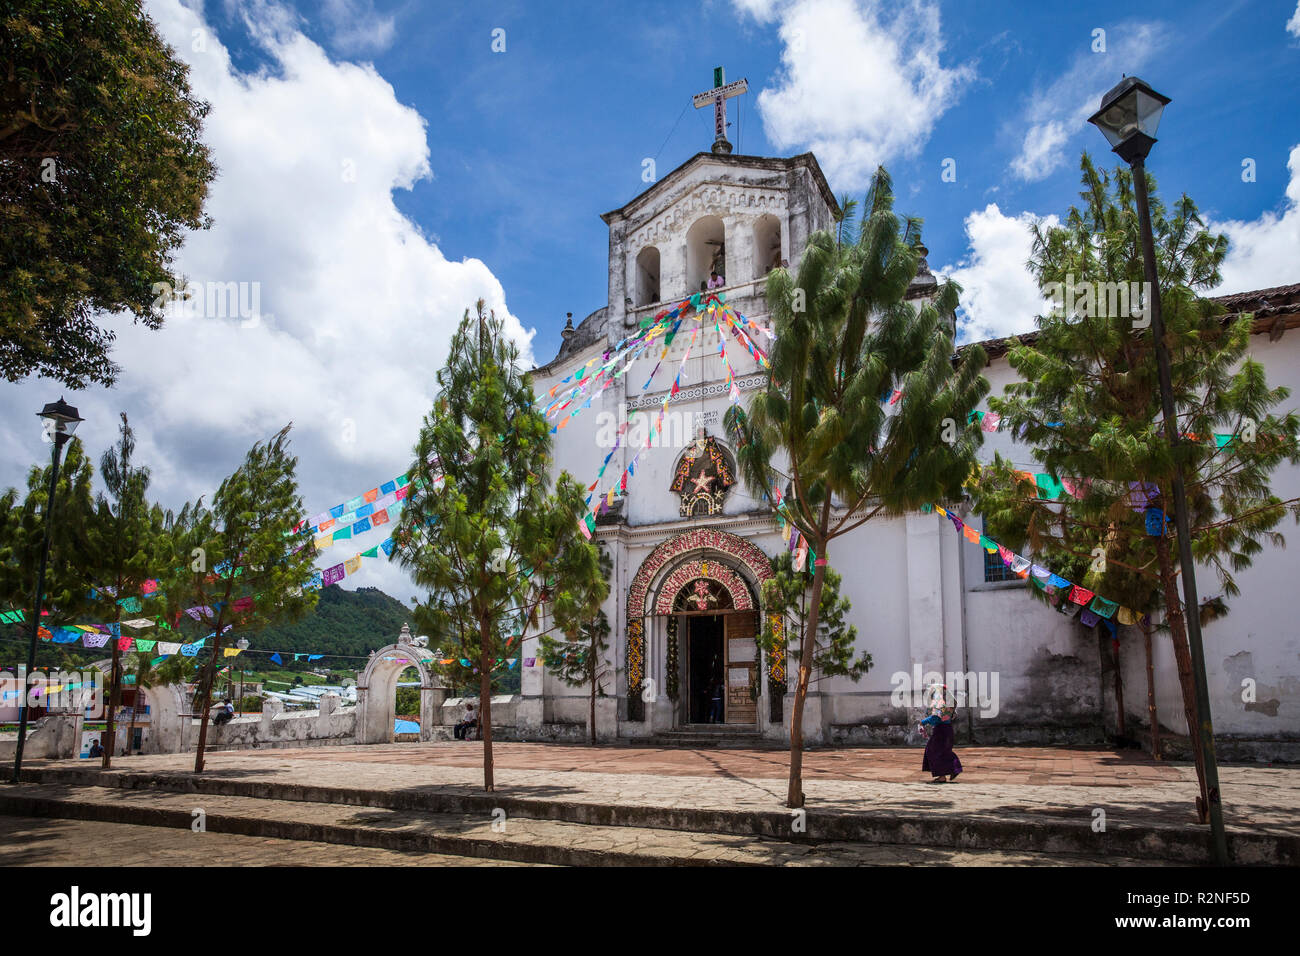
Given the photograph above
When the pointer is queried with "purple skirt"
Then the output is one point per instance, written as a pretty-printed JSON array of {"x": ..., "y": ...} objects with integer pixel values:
[{"x": 939, "y": 759}]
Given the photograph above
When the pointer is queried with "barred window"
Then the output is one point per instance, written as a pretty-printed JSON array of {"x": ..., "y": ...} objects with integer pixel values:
[{"x": 994, "y": 569}]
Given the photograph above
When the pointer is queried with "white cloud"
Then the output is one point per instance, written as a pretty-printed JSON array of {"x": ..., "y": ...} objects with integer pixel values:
[
  {"x": 1293, "y": 25},
  {"x": 999, "y": 296},
  {"x": 1055, "y": 114},
  {"x": 1263, "y": 252},
  {"x": 359, "y": 305},
  {"x": 356, "y": 27},
  {"x": 1041, "y": 153},
  {"x": 860, "y": 82}
]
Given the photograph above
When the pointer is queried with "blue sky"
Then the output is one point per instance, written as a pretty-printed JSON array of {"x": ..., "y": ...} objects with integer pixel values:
[
  {"x": 381, "y": 167},
  {"x": 528, "y": 146}
]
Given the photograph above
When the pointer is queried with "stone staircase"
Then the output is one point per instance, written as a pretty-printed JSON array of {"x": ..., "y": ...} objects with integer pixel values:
[
  {"x": 529, "y": 826},
  {"x": 484, "y": 827}
]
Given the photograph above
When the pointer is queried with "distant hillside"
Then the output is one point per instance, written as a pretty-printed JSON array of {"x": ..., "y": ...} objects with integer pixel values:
[{"x": 351, "y": 623}]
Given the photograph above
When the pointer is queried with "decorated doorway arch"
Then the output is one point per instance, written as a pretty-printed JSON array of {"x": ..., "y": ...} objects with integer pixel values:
[
  {"x": 720, "y": 555},
  {"x": 376, "y": 692}
]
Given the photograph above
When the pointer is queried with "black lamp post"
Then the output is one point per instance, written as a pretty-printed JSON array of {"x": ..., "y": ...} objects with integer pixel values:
[
  {"x": 1128, "y": 118},
  {"x": 242, "y": 644},
  {"x": 61, "y": 420}
]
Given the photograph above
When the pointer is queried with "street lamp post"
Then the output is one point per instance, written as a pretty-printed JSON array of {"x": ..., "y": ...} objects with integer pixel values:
[
  {"x": 1128, "y": 118},
  {"x": 242, "y": 644},
  {"x": 61, "y": 420}
]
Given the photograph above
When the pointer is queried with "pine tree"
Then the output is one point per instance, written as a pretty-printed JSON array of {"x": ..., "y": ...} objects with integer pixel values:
[
  {"x": 70, "y": 570},
  {"x": 846, "y": 336},
  {"x": 1088, "y": 404},
  {"x": 72, "y": 555},
  {"x": 785, "y": 595},
  {"x": 132, "y": 542},
  {"x": 576, "y": 657},
  {"x": 239, "y": 565},
  {"x": 479, "y": 523}
]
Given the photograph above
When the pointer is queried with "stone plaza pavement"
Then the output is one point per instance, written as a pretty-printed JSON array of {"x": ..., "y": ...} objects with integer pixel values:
[
  {"x": 1016, "y": 800},
  {"x": 52, "y": 842},
  {"x": 1130, "y": 786}
]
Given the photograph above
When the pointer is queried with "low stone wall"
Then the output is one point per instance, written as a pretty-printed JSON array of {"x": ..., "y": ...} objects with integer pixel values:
[
  {"x": 332, "y": 725},
  {"x": 1228, "y": 748},
  {"x": 557, "y": 732},
  {"x": 504, "y": 706},
  {"x": 55, "y": 737}
]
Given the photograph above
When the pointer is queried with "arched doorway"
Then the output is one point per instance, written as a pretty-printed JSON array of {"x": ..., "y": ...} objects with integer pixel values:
[
  {"x": 692, "y": 616},
  {"x": 377, "y": 693},
  {"x": 711, "y": 666}
]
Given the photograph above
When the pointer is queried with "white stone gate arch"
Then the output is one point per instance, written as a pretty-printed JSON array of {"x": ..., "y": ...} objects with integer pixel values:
[{"x": 377, "y": 687}]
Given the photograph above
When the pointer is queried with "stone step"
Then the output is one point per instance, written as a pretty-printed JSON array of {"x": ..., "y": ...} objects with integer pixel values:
[
  {"x": 1027, "y": 830},
  {"x": 703, "y": 743},
  {"x": 711, "y": 735},
  {"x": 516, "y": 839},
  {"x": 722, "y": 729}
]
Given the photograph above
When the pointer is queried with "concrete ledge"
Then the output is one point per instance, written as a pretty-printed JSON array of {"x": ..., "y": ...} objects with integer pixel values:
[
  {"x": 345, "y": 834},
  {"x": 1024, "y": 831},
  {"x": 557, "y": 732},
  {"x": 1228, "y": 748}
]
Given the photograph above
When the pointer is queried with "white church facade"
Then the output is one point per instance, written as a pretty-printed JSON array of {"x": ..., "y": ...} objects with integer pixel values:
[{"x": 691, "y": 545}]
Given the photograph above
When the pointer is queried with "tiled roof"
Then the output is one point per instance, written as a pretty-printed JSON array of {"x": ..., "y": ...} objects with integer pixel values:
[
  {"x": 1281, "y": 299},
  {"x": 1276, "y": 310}
]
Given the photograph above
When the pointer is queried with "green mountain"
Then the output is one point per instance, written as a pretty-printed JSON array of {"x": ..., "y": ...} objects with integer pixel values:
[{"x": 350, "y": 624}]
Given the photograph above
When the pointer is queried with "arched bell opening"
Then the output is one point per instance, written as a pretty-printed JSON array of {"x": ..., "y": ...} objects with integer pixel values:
[{"x": 647, "y": 276}]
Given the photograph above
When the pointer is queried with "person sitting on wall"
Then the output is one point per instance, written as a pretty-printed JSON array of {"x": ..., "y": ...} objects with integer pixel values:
[
  {"x": 225, "y": 713},
  {"x": 469, "y": 722}
]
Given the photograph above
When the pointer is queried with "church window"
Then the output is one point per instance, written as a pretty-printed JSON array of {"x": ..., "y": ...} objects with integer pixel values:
[
  {"x": 706, "y": 253},
  {"x": 994, "y": 567},
  {"x": 647, "y": 276},
  {"x": 767, "y": 245}
]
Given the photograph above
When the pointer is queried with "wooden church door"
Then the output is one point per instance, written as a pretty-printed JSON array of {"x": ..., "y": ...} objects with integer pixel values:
[{"x": 742, "y": 660}]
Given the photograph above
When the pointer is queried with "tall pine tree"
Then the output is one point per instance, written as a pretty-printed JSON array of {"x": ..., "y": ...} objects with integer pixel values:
[
  {"x": 846, "y": 339},
  {"x": 239, "y": 567},
  {"x": 1088, "y": 404},
  {"x": 479, "y": 524},
  {"x": 132, "y": 542}
]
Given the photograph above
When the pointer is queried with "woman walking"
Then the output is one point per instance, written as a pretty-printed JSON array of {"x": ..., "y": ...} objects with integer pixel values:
[{"x": 939, "y": 759}]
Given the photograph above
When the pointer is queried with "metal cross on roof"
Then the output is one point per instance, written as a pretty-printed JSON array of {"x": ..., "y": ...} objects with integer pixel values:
[{"x": 718, "y": 96}]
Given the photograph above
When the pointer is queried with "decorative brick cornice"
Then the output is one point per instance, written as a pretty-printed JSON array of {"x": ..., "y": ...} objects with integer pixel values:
[
  {"x": 716, "y": 389},
  {"x": 684, "y": 574},
  {"x": 699, "y": 539}
]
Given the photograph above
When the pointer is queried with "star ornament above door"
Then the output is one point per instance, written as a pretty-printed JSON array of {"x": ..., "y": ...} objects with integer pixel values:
[{"x": 703, "y": 475}]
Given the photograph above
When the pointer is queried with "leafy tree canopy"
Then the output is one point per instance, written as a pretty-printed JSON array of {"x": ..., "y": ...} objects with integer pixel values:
[{"x": 102, "y": 172}]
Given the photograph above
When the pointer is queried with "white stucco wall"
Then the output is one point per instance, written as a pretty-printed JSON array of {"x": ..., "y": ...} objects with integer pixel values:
[
  {"x": 917, "y": 588},
  {"x": 1049, "y": 662}
]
